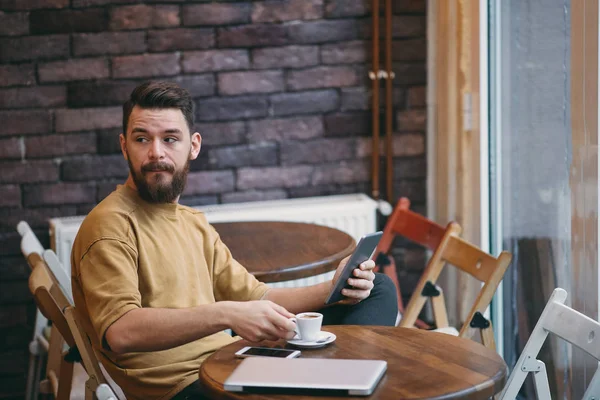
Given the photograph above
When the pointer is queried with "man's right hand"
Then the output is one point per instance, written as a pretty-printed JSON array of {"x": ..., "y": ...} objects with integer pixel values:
[{"x": 261, "y": 320}]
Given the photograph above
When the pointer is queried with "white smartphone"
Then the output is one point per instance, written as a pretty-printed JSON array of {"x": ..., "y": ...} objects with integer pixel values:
[{"x": 267, "y": 352}]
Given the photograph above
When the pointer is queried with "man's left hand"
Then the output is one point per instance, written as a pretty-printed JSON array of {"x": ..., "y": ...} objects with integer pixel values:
[{"x": 361, "y": 281}]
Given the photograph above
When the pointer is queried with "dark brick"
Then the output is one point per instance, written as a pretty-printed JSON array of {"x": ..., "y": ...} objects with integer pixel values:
[
  {"x": 73, "y": 70},
  {"x": 28, "y": 171},
  {"x": 248, "y": 82},
  {"x": 68, "y": 21},
  {"x": 108, "y": 141},
  {"x": 356, "y": 51},
  {"x": 99, "y": 93},
  {"x": 342, "y": 172},
  {"x": 202, "y": 162},
  {"x": 323, "y": 31},
  {"x": 25, "y": 5},
  {"x": 94, "y": 167},
  {"x": 59, "y": 145},
  {"x": 13, "y": 75},
  {"x": 216, "y": 14},
  {"x": 34, "y": 97},
  {"x": 409, "y": 6},
  {"x": 402, "y": 27},
  {"x": 415, "y": 190},
  {"x": 298, "y": 128},
  {"x": 24, "y": 122},
  {"x": 13, "y": 292},
  {"x": 317, "y": 151},
  {"x": 358, "y": 98},
  {"x": 321, "y": 77},
  {"x": 410, "y": 167},
  {"x": 412, "y": 120},
  {"x": 209, "y": 183},
  {"x": 409, "y": 50},
  {"x": 317, "y": 101},
  {"x": 105, "y": 188},
  {"x": 198, "y": 85},
  {"x": 17, "y": 314},
  {"x": 11, "y": 196},
  {"x": 14, "y": 24},
  {"x": 91, "y": 3},
  {"x": 327, "y": 190},
  {"x": 288, "y": 10},
  {"x": 36, "y": 217},
  {"x": 142, "y": 16},
  {"x": 87, "y": 44},
  {"x": 86, "y": 119},
  {"x": 181, "y": 39},
  {"x": 252, "y": 35},
  {"x": 195, "y": 201},
  {"x": 348, "y": 124},
  {"x": 34, "y": 48},
  {"x": 253, "y": 195},
  {"x": 410, "y": 74},
  {"x": 346, "y": 8},
  {"x": 11, "y": 148},
  {"x": 59, "y": 194},
  {"x": 231, "y": 108},
  {"x": 221, "y": 133},
  {"x": 417, "y": 97},
  {"x": 273, "y": 177},
  {"x": 262, "y": 154},
  {"x": 146, "y": 65},
  {"x": 14, "y": 337},
  {"x": 285, "y": 57},
  {"x": 215, "y": 60},
  {"x": 403, "y": 145}
]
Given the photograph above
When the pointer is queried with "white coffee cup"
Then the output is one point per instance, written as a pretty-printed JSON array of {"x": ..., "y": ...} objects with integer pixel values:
[{"x": 308, "y": 325}]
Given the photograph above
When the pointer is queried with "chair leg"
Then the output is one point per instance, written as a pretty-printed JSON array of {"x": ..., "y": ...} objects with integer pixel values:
[{"x": 487, "y": 337}]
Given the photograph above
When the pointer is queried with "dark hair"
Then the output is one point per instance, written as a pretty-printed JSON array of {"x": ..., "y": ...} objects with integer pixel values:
[{"x": 160, "y": 95}]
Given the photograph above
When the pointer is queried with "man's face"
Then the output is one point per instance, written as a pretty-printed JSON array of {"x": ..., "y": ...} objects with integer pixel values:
[{"x": 158, "y": 148}]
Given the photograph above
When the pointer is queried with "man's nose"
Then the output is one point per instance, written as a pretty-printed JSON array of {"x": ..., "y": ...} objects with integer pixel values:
[{"x": 156, "y": 150}]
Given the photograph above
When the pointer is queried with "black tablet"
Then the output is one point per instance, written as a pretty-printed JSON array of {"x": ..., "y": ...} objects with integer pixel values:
[{"x": 364, "y": 250}]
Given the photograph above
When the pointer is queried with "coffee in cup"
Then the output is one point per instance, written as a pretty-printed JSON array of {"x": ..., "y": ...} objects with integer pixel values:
[{"x": 308, "y": 325}]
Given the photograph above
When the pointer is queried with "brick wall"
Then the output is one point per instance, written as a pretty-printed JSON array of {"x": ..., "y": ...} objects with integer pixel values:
[{"x": 282, "y": 101}]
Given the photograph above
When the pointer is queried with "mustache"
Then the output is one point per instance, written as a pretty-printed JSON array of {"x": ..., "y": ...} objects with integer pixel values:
[{"x": 158, "y": 166}]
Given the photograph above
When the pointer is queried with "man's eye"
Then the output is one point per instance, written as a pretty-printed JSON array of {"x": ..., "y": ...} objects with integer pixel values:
[
  {"x": 170, "y": 140},
  {"x": 141, "y": 139}
]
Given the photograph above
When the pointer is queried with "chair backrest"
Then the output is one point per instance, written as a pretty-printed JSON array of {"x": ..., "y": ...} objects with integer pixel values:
[
  {"x": 55, "y": 304},
  {"x": 469, "y": 258},
  {"x": 566, "y": 323},
  {"x": 414, "y": 227}
]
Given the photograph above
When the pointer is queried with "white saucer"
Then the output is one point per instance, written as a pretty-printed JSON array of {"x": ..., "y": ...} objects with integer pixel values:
[{"x": 313, "y": 344}]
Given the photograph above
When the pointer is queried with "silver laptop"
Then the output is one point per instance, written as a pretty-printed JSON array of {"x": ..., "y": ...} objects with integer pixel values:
[{"x": 306, "y": 376}]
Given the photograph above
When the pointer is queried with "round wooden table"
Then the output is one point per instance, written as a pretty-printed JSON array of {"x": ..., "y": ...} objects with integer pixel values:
[
  {"x": 421, "y": 364},
  {"x": 282, "y": 251}
]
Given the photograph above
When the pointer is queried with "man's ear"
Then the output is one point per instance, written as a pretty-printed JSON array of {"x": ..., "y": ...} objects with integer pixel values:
[
  {"x": 196, "y": 145},
  {"x": 123, "y": 141}
]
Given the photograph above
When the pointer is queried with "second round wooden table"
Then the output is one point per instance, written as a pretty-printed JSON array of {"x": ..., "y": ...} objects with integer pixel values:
[{"x": 276, "y": 251}]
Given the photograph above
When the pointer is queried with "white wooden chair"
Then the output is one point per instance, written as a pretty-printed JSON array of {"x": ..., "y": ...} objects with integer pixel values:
[
  {"x": 38, "y": 347},
  {"x": 568, "y": 324}
]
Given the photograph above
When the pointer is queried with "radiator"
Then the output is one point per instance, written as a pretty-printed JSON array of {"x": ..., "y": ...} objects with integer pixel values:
[{"x": 354, "y": 214}]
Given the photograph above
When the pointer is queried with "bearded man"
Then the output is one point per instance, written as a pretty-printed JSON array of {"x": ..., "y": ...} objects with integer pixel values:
[{"x": 154, "y": 284}]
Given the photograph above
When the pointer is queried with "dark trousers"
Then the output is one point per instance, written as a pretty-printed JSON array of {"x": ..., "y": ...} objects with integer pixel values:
[{"x": 380, "y": 308}]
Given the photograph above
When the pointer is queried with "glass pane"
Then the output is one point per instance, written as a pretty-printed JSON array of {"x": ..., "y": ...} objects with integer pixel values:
[{"x": 532, "y": 129}]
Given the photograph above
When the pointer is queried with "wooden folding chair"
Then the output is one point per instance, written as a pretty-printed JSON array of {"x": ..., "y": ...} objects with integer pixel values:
[
  {"x": 54, "y": 303},
  {"x": 416, "y": 228},
  {"x": 469, "y": 258},
  {"x": 566, "y": 323}
]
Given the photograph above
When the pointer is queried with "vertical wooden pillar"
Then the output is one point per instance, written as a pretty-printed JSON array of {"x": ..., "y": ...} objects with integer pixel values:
[{"x": 584, "y": 176}]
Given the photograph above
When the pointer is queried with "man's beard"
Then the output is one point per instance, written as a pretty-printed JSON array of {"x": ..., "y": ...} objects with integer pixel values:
[{"x": 158, "y": 191}]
